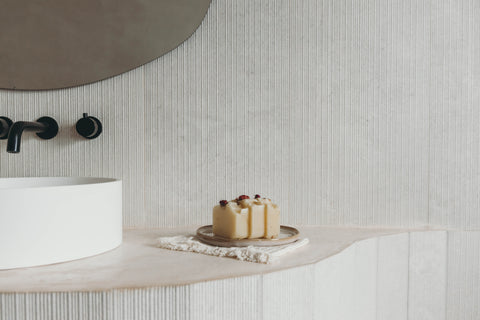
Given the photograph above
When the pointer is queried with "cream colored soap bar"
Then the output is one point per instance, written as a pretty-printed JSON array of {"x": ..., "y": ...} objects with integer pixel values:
[
  {"x": 272, "y": 219},
  {"x": 230, "y": 221},
  {"x": 246, "y": 218}
]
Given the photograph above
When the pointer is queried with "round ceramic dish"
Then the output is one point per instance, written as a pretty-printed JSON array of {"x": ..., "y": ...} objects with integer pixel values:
[{"x": 287, "y": 235}]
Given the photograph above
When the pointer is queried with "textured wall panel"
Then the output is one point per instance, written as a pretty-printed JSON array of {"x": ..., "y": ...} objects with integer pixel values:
[
  {"x": 364, "y": 286},
  {"x": 344, "y": 112},
  {"x": 334, "y": 280},
  {"x": 235, "y": 299},
  {"x": 427, "y": 276},
  {"x": 286, "y": 294},
  {"x": 463, "y": 279},
  {"x": 392, "y": 277},
  {"x": 454, "y": 114}
]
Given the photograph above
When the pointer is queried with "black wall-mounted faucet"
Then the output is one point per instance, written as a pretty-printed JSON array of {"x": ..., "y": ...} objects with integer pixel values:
[{"x": 45, "y": 128}]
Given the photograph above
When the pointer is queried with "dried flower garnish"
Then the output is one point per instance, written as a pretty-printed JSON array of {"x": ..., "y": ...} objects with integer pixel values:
[{"x": 223, "y": 203}]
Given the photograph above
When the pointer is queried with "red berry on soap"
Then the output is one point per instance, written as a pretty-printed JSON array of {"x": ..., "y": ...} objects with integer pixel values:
[
  {"x": 243, "y": 197},
  {"x": 257, "y": 196},
  {"x": 223, "y": 203}
]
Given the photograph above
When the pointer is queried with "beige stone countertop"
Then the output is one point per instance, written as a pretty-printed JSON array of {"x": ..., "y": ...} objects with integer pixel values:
[{"x": 138, "y": 263}]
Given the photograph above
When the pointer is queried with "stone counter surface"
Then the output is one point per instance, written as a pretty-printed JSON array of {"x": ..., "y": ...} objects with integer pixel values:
[
  {"x": 137, "y": 263},
  {"x": 343, "y": 273}
]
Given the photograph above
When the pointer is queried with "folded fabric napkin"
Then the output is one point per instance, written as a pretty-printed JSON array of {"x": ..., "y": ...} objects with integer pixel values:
[{"x": 251, "y": 253}]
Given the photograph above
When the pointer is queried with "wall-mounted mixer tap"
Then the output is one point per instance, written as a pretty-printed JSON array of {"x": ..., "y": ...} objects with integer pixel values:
[{"x": 44, "y": 127}]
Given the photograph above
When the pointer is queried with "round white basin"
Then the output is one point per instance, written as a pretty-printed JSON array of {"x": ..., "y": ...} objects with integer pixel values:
[{"x": 51, "y": 220}]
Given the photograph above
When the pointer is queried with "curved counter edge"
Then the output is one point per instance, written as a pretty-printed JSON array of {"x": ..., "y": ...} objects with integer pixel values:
[{"x": 355, "y": 273}]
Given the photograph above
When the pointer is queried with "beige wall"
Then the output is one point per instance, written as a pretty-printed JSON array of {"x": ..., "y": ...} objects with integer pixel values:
[{"x": 343, "y": 112}]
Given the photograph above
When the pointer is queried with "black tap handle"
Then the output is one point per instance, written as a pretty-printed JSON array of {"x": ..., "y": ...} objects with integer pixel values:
[
  {"x": 89, "y": 127},
  {"x": 5, "y": 125}
]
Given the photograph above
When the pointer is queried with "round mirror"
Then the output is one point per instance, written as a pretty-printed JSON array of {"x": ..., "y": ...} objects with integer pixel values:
[{"x": 53, "y": 44}]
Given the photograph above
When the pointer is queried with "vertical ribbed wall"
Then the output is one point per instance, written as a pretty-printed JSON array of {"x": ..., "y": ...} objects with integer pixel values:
[
  {"x": 344, "y": 112},
  {"x": 422, "y": 275}
]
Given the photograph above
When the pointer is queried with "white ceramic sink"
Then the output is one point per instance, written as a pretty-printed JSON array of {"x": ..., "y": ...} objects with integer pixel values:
[{"x": 51, "y": 220}]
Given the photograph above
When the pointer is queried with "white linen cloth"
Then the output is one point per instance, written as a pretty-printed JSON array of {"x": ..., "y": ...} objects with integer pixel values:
[{"x": 250, "y": 253}]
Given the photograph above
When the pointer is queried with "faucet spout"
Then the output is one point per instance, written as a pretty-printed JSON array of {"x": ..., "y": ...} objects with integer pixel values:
[{"x": 45, "y": 128}]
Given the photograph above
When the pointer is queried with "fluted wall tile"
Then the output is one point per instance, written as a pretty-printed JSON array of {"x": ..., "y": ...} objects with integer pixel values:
[
  {"x": 343, "y": 112},
  {"x": 212, "y": 134},
  {"x": 455, "y": 130},
  {"x": 280, "y": 98}
]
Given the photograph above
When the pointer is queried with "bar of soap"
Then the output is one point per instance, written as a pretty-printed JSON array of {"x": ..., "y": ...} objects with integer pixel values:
[
  {"x": 246, "y": 218},
  {"x": 230, "y": 221},
  {"x": 272, "y": 219}
]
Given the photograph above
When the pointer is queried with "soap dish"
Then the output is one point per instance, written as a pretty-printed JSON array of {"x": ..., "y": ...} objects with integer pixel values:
[{"x": 287, "y": 235}]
